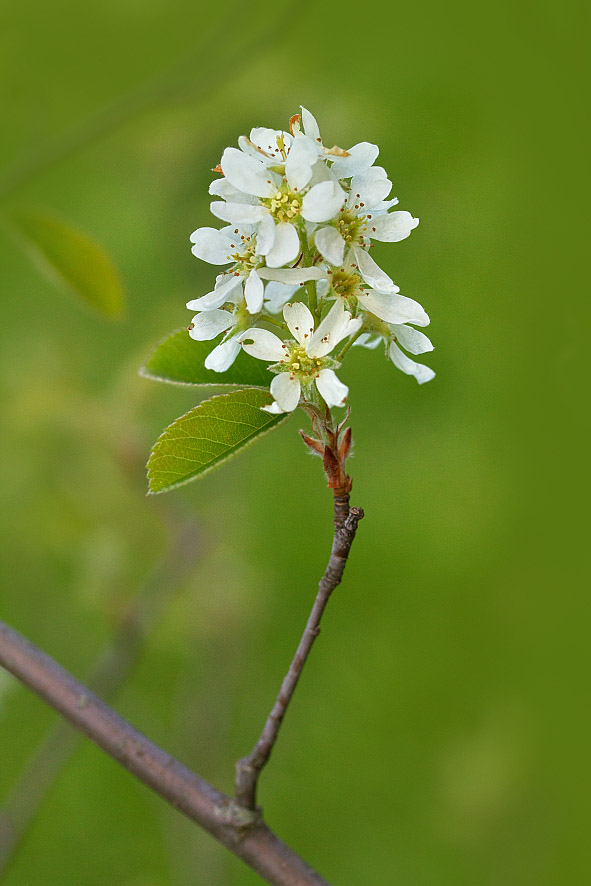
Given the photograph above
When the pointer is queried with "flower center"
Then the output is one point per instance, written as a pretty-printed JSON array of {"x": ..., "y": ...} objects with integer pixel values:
[
  {"x": 351, "y": 227},
  {"x": 285, "y": 205},
  {"x": 300, "y": 363},
  {"x": 245, "y": 255},
  {"x": 345, "y": 285}
]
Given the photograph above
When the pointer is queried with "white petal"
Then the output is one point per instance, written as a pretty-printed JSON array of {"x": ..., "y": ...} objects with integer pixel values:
[
  {"x": 208, "y": 324},
  {"x": 216, "y": 298},
  {"x": 302, "y": 156},
  {"x": 360, "y": 158},
  {"x": 300, "y": 321},
  {"x": 276, "y": 295},
  {"x": 248, "y": 147},
  {"x": 412, "y": 340},
  {"x": 286, "y": 246},
  {"x": 212, "y": 246},
  {"x": 330, "y": 245},
  {"x": 265, "y": 235},
  {"x": 222, "y": 357},
  {"x": 334, "y": 328},
  {"x": 253, "y": 293},
  {"x": 274, "y": 408},
  {"x": 367, "y": 341},
  {"x": 392, "y": 227},
  {"x": 370, "y": 187},
  {"x": 394, "y": 308},
  {"x": 333, "y": 391},
  {"x": 310, "y": 125},
  {"x": 247, "y": 174},
  {"x": 238, "y": 213},
  {"x": 286, "y": 390},
  {"x": 266, "y": 139},
  {"x": 293, "y": 276},
  {"x": 372, "y": 273},
  {"x": 263, "y": 345},
  {"x": 221, "y": 187},
  {"x": 323, "y": 201},
  {"x": 399, "y": 359}
]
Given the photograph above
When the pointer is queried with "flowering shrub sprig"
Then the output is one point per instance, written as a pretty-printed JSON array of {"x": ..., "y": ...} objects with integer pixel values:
[
  {"x": 297, "y": 289},
  {"x": 301, "y": 220}
]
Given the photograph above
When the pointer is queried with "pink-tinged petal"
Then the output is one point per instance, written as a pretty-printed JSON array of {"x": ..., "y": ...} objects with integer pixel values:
[
  {"x": 247, "y": 174},
  {"x": 412, "y": 340},
  {"x": 394, "y": 308},
  {"x": 372, "y": 273},
  {"x": 323, "y": 201},
  {"x": 300, "y": 321},
  {"x": 212, "y": 246},
  {"x": 222, "y": 357},
  {"x": 265, "y": 235},
  {"x": 333, "y": 391},
  {"x": 263, "y": 345},
  {"x": 393, "y": 227},
  {"x": 286, "y": 246},
  {"x": 253, "y": 293},
  {"x": 286, "y": 389},
  {"x": 302, "y": 156},
  {"x": 399, "y": 359},
  {"x": 330, "y": 245},
  {"x": 293, "y": 276},
  {"x": 208, "y": 324},
  {"x": 238, "y": 213},
  {"x": 360, "y": 158},
  {"x": 311, "y": 126}
]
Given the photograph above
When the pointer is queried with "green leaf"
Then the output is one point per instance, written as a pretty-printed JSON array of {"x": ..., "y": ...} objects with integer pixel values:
[
  {"x": 71, "y": 258},
  {"x": 179, "y": 359},
  {"x": 208, "y": 435}
]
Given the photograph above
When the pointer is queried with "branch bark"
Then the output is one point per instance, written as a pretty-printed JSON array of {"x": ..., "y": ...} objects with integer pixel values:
[
  {"x": 249, "y": 768},
  {"x": 243, "y": 832},
  {"x": 108, "y": 675}
]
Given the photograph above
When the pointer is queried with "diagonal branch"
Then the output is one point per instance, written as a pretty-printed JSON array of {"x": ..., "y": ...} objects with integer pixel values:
[
  {"x": 249, "y": 768},
  {"x": 244, "y": 833},
  {"x": 108, "y": 675}
]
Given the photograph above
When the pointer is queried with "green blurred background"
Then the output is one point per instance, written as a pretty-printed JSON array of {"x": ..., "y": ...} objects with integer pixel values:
[{"x": 437, "y": 736}]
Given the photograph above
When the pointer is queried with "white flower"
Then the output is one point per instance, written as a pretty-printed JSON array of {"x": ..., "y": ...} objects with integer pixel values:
[
  {"x": 414, "y": 341},
  {"x": 305, "y": 361},
  {"x": 365, "y": 217},
  {"x": 280, "y": 185},
  {"x": 238, "y": 246},
  {"x": 381, "y": 298}
]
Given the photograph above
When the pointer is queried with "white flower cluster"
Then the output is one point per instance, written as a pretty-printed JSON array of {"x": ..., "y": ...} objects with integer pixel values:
[{"x": 300, "y": 218}]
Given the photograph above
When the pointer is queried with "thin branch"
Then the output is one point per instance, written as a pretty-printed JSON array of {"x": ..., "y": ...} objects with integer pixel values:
[
  {"x": 244, "y": 833},
  {"x": 108, "y": 675},
  {"x": 249, "y": 768}
]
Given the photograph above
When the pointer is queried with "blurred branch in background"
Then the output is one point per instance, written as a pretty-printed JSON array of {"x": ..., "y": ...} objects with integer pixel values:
[
  {"x": 241, "y": 831},
  {"x": 234, "y": 32},
  {"x": 108, "y": 675}
]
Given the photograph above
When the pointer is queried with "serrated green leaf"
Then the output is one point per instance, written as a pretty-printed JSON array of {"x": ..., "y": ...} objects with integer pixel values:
[
  {"x": 178, "y": 359},
  {"x": 208, "y": 435},
  {"x": 71, "y": 258}
]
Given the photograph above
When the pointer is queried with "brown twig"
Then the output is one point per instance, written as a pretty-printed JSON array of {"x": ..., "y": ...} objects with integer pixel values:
[
  {"x": 242, "y": 832},
  {"x": 108, "y": 674},
  {"x": 249, "y": 768}
]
